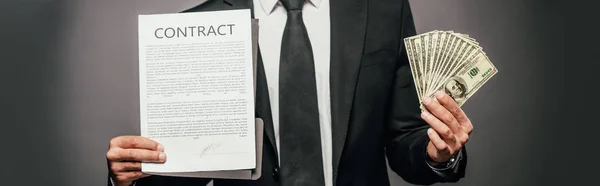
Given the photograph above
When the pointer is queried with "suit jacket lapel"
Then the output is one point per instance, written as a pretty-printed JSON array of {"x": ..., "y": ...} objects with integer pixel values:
[
  {"x": 348, "y": 27},
  {"x": 213, "y": 5},
  {"x": 263, "y": 106}
]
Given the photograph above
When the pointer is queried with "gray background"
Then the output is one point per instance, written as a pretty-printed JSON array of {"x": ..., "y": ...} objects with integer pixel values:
[{"x": 68, "y": 81}]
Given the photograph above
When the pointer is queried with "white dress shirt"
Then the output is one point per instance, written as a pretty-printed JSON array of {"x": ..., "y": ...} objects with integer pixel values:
[{"x": 272, "y": 17}]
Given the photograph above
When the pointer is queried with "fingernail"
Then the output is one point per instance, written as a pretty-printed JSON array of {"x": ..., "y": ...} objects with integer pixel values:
[
  {"x": 427, "y": 100},
  {"x": 425, "y": 114},
  {"x": 162, "y": 157},
  {"x": 439, "y": 94},
  {"x": 160, "y": 148},
  {"x": 429, "y": 131}
]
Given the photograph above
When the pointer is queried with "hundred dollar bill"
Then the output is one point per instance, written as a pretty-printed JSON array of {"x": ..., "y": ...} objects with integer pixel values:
[
  {"x": 435, "y": 48},
  {"x": 466, "y": 36},
  {"x": 421, "y": 49},
  {"x": 413, "y": 58},
  {"x": 427, "y": 41},
  {"x": 474, "y": 74},
  {"x": 416, "y": 46}
]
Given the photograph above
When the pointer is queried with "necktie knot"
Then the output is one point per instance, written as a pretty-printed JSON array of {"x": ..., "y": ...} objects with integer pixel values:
[{"x": 290, "y": 5}]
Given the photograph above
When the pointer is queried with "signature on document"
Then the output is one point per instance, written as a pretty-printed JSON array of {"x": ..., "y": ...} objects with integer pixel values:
[{"x": 209, "y": 148}]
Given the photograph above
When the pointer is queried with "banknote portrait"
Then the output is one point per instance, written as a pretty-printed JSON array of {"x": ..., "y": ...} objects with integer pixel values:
[{"x": 456, "y": 88}]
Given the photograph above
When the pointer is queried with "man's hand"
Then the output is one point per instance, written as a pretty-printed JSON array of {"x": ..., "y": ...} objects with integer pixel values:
[
  {"x": 126, "y": 154},
  {"x": 450, "y": 127}
]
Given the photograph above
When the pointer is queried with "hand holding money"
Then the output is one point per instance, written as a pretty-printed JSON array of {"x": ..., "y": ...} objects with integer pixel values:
[
  {"x": 447, "y": 68},
  {"x": 450, "y": 126}
]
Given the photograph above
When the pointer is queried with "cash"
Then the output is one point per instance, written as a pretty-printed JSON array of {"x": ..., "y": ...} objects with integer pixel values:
[{"x": 447, "y": 61}]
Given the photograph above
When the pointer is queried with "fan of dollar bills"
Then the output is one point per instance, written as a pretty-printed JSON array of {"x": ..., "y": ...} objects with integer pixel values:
[{"x": 447, "y": 61}]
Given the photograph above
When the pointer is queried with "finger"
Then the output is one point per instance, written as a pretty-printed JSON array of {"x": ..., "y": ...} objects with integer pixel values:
[
  {"x": 138, "y": 155},
  {"x": 136, "y": 142},
  {"x": 443, "y": 115},
  {"x": 126, "y": 166},
  {"x": 451, "y": 106},
  {"x": 468, "y": 128},
  {"x": 439, "y": 144},
  {"x": 442, "y": 129}
]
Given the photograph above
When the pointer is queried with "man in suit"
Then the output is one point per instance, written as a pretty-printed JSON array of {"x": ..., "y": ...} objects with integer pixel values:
[{"x": 336, "y": 73}]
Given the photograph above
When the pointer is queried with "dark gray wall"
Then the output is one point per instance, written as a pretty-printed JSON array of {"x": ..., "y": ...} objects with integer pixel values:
[{"x": 69, "y": 70}]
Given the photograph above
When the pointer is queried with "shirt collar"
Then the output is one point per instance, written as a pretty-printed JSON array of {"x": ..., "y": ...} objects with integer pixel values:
[{"x": 269, "y": 5}]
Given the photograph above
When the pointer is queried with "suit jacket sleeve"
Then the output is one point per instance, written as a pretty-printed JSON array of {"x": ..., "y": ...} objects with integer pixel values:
[
  {"x": 168, "y": 180},
  {"x": 406, "y": 130},
  {"x": 164, "y": 181}
]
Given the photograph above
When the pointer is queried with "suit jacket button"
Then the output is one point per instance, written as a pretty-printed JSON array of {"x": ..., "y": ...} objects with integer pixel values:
[{"x": 276, "y": 174}]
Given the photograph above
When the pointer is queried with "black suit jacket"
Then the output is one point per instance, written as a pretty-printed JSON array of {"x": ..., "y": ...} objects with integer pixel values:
[{"x": 374, "y": 105}]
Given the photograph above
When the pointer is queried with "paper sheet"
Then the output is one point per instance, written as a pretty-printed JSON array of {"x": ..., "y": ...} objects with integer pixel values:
[{"x": 196, "y": 89}]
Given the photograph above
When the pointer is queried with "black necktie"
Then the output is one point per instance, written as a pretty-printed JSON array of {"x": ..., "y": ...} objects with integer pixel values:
[{"x": 300, "y": 138}]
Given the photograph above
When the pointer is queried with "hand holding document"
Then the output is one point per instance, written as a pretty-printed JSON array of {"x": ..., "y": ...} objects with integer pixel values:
[{"x": 197, "y": 90}]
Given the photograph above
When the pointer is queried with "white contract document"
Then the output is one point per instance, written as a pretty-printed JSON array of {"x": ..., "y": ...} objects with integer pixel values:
[{"x": 197, "y": 90}]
